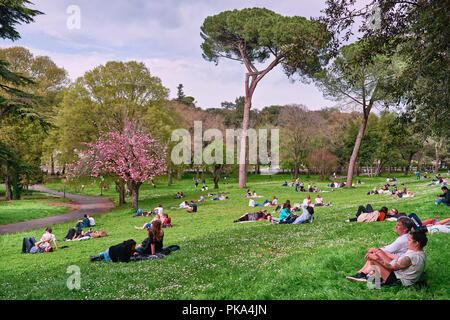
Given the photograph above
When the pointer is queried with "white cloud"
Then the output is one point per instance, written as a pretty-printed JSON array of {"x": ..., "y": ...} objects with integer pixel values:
[{"x": 166, "y": 36}]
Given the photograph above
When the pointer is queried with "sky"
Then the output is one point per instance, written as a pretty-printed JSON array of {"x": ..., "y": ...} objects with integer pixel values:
[{"x": 164, "y": 34}]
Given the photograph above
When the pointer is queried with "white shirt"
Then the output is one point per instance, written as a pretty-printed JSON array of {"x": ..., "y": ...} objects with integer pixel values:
[
  {"x": 251, "y": 203},
  {"x": 92, "y": 221},
  {"x": 48, "y": 236},
  {"x": 159, "y": 210},
  {"x": 275, "y": 201},
  {"x": 399, "y": 246}
]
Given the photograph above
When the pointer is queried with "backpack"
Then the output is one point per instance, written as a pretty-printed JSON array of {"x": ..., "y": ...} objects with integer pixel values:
[{"x": 417, "y": 223}]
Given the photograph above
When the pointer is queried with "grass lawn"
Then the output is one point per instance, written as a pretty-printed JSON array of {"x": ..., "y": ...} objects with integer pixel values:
[
  {"x": 33, "y": 205},
  {"x": 220, "y": 259}
]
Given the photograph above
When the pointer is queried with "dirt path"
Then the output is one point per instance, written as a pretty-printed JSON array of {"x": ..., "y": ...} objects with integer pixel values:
[{"x": 85, "y": 205}]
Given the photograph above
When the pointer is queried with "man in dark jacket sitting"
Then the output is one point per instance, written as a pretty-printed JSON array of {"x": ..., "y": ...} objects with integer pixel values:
[{"x": 444, "y": 198}]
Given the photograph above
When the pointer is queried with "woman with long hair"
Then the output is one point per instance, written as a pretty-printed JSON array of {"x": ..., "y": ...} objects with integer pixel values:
[{"x": 154, "y": 242}]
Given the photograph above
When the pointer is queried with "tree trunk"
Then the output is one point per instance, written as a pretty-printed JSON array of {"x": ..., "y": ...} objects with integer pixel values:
[
  {"x": 121, "y": 189},
  {"x": 436, "y": 150},
  {"x": 243, "y": 152},
  {"x": 169, "y": 173},
  {"x": 354, "y": 157},
  {"x": 134, "y": 187},
  {"x": 9, "y": 194},
  {"x": 52, "y": 164}
]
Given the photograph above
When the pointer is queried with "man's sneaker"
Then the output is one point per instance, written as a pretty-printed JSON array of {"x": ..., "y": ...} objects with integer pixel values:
[{"x": 358, "y": 277}]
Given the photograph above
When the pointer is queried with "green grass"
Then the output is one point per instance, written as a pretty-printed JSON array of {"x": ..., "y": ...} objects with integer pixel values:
[
  {"x": 220, "y": 259},
  {"x": 33, "y": 205}
]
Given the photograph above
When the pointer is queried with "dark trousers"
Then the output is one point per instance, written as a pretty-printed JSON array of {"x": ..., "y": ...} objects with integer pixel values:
[
  {"x": 362, "y": 209},
  {"x": 288, "y": 220},
  {"x": 27, "y": 244}
]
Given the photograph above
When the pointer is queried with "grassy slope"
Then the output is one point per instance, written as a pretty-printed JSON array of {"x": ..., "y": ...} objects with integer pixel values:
[
  {"x": 33, "y": 205},
  {"x": 220, "y": 259}
]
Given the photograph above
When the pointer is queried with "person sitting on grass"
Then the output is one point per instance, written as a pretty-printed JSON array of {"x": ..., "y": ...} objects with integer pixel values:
[
  {"x": 368, "y": 214},
  {"x": 121, "y": 252},
  {"x": 396, "y": 248},
  {"x": 85, "y": 223},
  {"x": 306, "y": 216},
  {"x": 192, "y": 208},
  {"x": 318, "y": 202},
  {"x": 307, "y": 200},
  {"x": 154, "y": 241},
  {"x": 285, "y": 213},
  {"x": 166, "y": 221},
  {"x": 373, "y": 191},
  {"x": 139, "y": 213},
  {"x": 254, "y": 216},
  {"x": 91, "y": 220},
  {"x": 406, "y": 268},
  {"x": 443, "y": 198}
]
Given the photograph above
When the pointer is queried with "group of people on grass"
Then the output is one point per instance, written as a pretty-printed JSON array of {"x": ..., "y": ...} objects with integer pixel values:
[
  {"x": 395, "y": 192},
  {"x": 300, "y": 186},
  {"x": 403, "y": 261}
]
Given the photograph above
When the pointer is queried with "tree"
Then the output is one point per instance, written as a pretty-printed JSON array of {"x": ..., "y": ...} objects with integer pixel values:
[
  {"x": 415, "y": 30},
  {"x": 104, "y": 99},
  {"x": 357, "y": 81},
  {"x": 12, "y": 99},
  {"x": 323, "y": 161},
  {"x": 254, "y": 35},
  {"x": 300, "y": 129},
  {"x": 130, "y": 154}
]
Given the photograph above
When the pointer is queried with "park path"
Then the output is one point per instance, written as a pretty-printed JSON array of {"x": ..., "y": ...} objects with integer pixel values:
[{"x": 84, "y": 205}]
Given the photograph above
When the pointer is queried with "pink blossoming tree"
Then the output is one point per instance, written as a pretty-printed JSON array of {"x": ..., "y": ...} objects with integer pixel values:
[{"x": 130, "y": 155}]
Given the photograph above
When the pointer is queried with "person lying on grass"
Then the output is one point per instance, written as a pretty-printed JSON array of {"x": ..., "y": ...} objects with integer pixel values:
[
  {"x": 121, "y": 252},
  {"x": 406, "y": 268},
  {"x": 400, "y": 195},
  {"x": 220, "y": 198},
  {"x": 149, "y": 224},
  {"x": 305, "y": 217},
  {"x": 79, "y": 234},
  {"x": 29, "y": 245},
  {"x": 368, "y": 214},
  {"x": 396, "y": 248},
  {"x": 254, "y": 216}
]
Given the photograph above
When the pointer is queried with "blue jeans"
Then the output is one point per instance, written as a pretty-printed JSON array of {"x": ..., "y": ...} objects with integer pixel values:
[
  {"x": 439, "y": 201},
  {"x": 104, "y": 256},
  {"x": 288, "y": 220},
  {"x": 27, "y": 244}
]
